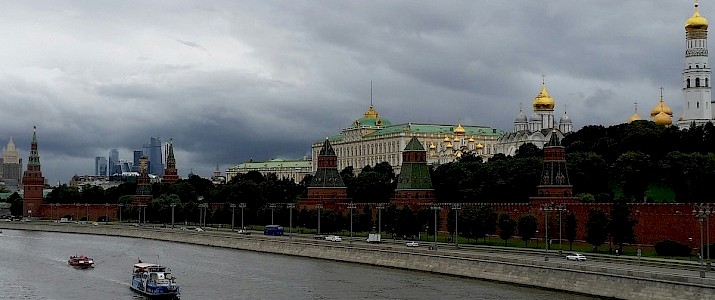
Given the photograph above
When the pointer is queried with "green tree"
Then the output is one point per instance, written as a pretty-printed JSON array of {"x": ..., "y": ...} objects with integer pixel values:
[
  {"x": 527, "y": 228},
  {"x": 15, "y": 204},
  {"x": 507, "y": 226},
  {"x": 596, "y": 227},
  {"x": 527, "y": 150},
  {"x": 621, "y": 225}
]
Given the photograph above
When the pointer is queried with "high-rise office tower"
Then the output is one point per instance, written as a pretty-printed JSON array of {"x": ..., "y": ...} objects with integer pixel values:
[
  {"x": 156, "y": 164},
  {"x": 100, "y": 166},
  {"x": 135, "y": 163},
  {"x": 113, "y": 161},
  {"x": 11, "y": 166}
]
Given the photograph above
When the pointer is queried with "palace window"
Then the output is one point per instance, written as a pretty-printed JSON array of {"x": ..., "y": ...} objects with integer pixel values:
[
  {"x": 697, "y": 82},
  {"x": 688, "y": 82}
]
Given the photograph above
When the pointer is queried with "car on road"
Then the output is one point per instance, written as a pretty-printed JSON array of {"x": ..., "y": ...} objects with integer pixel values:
[
  {"x": 199, "y": 229},
  {"x": 575, "y": 256},
  {"x": 95, "y": 224},
  {"x": 243, "y": 231},
  {"x": 333, "y": 238},
  {"x": 412, "y": 244}
]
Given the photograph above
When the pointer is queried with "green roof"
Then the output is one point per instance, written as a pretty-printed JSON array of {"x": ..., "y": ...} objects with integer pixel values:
[
  {"x": 275, "y": 163},
  {"x": 414, "y": 145},
  {"x": 435, "y": 129}
]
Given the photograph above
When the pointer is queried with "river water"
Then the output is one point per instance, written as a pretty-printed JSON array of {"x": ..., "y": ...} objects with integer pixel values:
[{"x": 33, "y": 265}]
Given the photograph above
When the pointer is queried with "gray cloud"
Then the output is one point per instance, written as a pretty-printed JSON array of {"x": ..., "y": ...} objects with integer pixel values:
[{"x": 281, "y": 75}]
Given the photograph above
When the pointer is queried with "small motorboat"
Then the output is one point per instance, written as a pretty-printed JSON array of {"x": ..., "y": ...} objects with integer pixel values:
[
  {"x": 81, "y": 261},
  {"x": 154, "y": 281}
]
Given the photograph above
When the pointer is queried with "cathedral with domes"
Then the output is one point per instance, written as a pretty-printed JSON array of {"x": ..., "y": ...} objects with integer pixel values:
[
  {"x": 537, "y": 129},
  {"x": 697, "y": 99}
]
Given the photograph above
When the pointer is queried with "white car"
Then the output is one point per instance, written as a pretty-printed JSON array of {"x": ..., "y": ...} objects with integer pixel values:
[
  {"x": 199, "y": 229},
  {"x": 333, "y": 238},
  {"x": 576, "y": 256},
  {"x": 412, "y": 244}
]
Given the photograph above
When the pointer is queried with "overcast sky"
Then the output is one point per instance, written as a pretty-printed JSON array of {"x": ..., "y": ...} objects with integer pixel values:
[{"x": 234, "y": 80}]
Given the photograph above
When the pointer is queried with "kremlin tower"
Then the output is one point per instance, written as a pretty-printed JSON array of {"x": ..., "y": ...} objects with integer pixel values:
[
  {"x": 697, "y": 105},
  {"x": 171, "y": 175},
  {"x": 32, "y": 180}
]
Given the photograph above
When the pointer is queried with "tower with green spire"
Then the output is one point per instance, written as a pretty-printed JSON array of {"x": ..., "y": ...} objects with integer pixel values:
[
  {"x": 327, "y": 187},
  {"x": 414, "y": 184},
  {"x": 171, "y": 175},
  {"x": 32, "y": 180}
]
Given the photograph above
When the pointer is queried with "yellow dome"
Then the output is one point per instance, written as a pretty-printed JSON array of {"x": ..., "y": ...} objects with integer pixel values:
[
  {"x": 446, "y": 139},
  {"x": 696, "y": 22},
  {"x": 371, "y": 113},
  {"x": 432, "y": 146},
  {"x": 543, "y": 101},
  {"x": 459, "y": 154},
  {"x": 663, "y": 119},
  {"x": 456, "y": 139},
  {"x": 459, "y": 130},
  {"x": 661, "y": 107},
  {"x": 479, "y": 146},
  {"x": 471, "y": 139},
  {"x": 634, "y": 117},
  {"x": 449, "y": 145}
]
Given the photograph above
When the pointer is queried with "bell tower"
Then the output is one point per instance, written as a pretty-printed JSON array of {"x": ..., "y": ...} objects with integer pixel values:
[{"x": 697, "y": 106}]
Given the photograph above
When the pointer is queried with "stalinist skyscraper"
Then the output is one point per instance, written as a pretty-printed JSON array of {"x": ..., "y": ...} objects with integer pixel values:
[{"x": 697, "y": 106}]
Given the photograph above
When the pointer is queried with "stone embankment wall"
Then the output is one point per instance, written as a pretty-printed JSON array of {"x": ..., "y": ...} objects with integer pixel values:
[{"x": 596, "y": 281}]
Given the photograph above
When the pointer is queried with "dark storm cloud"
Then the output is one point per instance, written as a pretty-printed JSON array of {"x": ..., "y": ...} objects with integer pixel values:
[{"x": 230, "y": 81}]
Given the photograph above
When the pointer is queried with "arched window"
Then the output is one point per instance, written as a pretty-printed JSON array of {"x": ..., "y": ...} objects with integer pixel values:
[
  {"x": 688, "y": 82},
  {"x": 697, "y": 82},
  {"x": 706, "y": 82}
]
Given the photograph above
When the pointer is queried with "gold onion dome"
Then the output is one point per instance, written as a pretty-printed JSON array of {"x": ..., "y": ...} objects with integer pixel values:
[
  {"x": 446, "y": 139},
  {"x": 543, "y": 101},
  {"x": 471, "y": 139},
  {"x": 371, "y": 113},
  {"x": 661, "y": 107},
  {"x": 479, "y": 146},
  {"x": 696, "y": 22},
  {"x": 634, "y": 117},
  {"x": 432, "y": 145},
  {"x": 459, "y": 130},
  {"x": 449, "y": 145},
  {"x": 456, "y": 139},
  {"x": 663, "y": 119}
]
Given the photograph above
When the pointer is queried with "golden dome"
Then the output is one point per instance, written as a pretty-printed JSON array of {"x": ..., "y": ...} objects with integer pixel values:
[
  {"x": 634, "y": 117},
  {"x": 449, "y": 145},
  {"x": 479, "y": 146},
  {"x": 543, "y": 101},
  {"x": 459, "y": 130},
  {"x": 696, "y": 22},
  {"x": 456, "y": 139},
  {"x": 661, "y": 107},
  {"x": 471, "y": 139},
  {"x": 371, "y": 113},
  {"x": 459, "y": 154},
  {"x": 663, "y": 119},
  {"x": 446, "y": 139},
  {"x": 432, "y": 146}
]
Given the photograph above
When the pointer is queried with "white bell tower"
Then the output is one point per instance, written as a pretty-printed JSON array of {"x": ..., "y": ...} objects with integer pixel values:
[{"x": 697, "y": 106}]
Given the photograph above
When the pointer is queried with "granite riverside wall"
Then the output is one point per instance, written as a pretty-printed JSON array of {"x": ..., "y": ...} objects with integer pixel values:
[{"x": 592, "y": 281}]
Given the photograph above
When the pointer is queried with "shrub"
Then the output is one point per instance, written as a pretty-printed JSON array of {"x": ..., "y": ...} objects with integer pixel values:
[{"x": 671, "y": 248}]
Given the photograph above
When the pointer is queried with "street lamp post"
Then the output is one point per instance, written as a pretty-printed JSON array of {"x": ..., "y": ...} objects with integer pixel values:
[
  {"x": 272, "y": 206},
  {"x": 435, "y": 208},
  {"x": 456, "y": 207},
  {"x": 546, "y": 208},
  {"x": 233, "y": 214},
  {"x": 702, "y": 212},
  {"x": 242, "y": 206},
  {"x": 351, "y": 206},
  {"x": 319, "y": 207},
  {"x": 120, "y": 206},
  {"x": 380, "y": 206},
  {"x": 290, "y": 222},
  {"x": 172, "y": 214}
]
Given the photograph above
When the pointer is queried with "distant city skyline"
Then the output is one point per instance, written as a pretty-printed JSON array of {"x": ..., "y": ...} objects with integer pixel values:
[{"x": 230, "y": 81}]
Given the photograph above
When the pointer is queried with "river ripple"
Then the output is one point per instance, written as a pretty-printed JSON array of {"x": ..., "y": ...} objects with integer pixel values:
[{"x": 33, "y": 265}]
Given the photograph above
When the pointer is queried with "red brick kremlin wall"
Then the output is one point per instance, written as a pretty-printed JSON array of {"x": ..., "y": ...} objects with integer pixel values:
[{"x": 656, "y": 222}]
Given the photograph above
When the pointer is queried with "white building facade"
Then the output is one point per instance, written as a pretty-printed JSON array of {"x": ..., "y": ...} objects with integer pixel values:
[{"x": 697, "y": 98}]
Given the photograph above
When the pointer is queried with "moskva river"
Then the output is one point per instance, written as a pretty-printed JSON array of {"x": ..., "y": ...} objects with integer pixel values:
[{"x": 33, "y": 265}]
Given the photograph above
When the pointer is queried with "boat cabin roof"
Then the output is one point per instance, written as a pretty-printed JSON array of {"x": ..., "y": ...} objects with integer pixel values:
[{"x": 149, "y": 267}]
